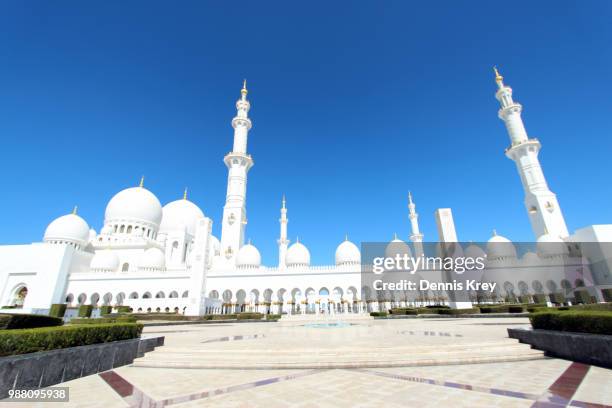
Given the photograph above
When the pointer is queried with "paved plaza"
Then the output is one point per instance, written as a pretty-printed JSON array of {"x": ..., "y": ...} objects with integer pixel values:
[{"x": 467, "y": 362}]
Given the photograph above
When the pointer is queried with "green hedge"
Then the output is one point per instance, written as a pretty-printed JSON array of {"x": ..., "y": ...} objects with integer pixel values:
[
  {"x": 494, "y": 309},
  {"x": 524, "y": 299},
  {"x": 250, "y": 315},
  {"x": 85, "y": 310},
  {"x": 516, "y": 309},
  {"x": 403, "y": 311},
  {"x": 607, "y": 294},
  {"x": 123, "y": 309},
  {"x": 378, "y": 314},
  {"x": 594, "y": 306},
  {"x": 582, "y": 296},
  {"x": 458, "y": 311},
  {"x": 274, "y": 317},
  {"x": 50, "y": 338},
  {"x": 27, "y": 321},
  {"x": 557, "y": 298},
  {"x": 595, "y": 322},
  {"x": 224, "y": 317},
  {"x": 104, "y": 310},
  {"x": 58, "y": 310},
  {"x": 104, "y": 320}
]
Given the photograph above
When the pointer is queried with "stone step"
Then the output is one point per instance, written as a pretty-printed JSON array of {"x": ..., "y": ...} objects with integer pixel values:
[{"x": 332, "y": 359}]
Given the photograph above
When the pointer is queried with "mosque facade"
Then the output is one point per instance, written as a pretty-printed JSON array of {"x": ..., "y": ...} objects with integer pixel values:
[{"x": 165, "y": 259}]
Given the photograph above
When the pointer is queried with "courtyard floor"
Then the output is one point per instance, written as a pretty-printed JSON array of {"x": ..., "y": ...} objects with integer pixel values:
[{"x": 362, "y": 363}]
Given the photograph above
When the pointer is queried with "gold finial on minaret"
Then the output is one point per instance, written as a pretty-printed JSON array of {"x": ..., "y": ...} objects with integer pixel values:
[
  {"x": 284, "y": 202},
  {"x": 244, "y": 90},
  {"x": 498, "y": 77},
  {"x": 185, "y": 194},
  {"x": 494, "y": 232},
  {"x": 74, "y": 210},
  {"x": 346, "y": 237},
  {"x": 141, "y": 182},
  {"x": 409, "y": 197}
]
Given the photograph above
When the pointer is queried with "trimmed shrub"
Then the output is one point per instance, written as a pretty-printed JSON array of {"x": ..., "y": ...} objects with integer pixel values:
[
  {"x": 582, "y": 296},
  {"x": 28, "y": 321},
  {"x": 104, "y": 310},
  {"x": 378, "y": 314},
  {"x": 458, "y": 311},
  {"x": 524, "y": 299},
  {"x": 250, "y": 316},
  {"x": 607, "y": 294},
  {"x": 123, "y": 309},
  {"x": 494, "y": 309},
  {"x": 516, "y": 309},
  {"x": 57, "y": 310},
  {"x": 85, "y": 310},
  {"x": 437, "y": 307},
  {"x": 594, "y": 322},
  {"x": 557, "y": 298},
  {"x": 539, "y": 298},
  {"x": 535, "y": 309},
  {"x": 273, "y": 317},
  {"x": 50, "y": 338}
]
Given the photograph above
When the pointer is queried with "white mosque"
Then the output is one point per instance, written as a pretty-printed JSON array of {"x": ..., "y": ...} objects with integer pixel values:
[{"x": 155, "y": 258}]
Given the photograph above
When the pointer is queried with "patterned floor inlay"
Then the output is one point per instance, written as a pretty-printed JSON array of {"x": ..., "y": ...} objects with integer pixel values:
[
  {"x": 559, "y": 394},
  {"x": 136, "y": 398},
  {"x": 234, "y": 338}
]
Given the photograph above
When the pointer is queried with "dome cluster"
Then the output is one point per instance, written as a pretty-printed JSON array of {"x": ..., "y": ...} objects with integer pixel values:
[{"x": 181, "y": 215}]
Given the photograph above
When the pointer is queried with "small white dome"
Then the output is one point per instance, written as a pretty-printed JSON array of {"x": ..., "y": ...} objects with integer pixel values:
[
  {"x": 549, "y": 245},
  {"x": 531, "y": 258},
  {"x": 70, "y": 227},
  {"x": 180, "y": 215},
  {"x": 104, "y": 260},
  {"x": 500, "y": 247},
  {"x": 152, "y": 258},
  {"x": 214, "y": 246},
  {"x": 135, "y": 203},
  {"x": 248, "y": 257},
  {"x": 297, "y": 255},
  {"x": 397, "y": 247},
  {"x": 474, "y": 251},
  {"x": 347, "y": 253}
]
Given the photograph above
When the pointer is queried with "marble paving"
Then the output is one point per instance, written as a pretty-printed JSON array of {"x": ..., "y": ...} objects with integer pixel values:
[{"x": 288, "y": 365}]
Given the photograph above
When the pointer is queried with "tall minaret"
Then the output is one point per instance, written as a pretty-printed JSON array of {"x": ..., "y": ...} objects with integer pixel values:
[
  {"x": 541, "y": 203},
  {"x": 283, "y": 242},
  {"x": 416, "y": 237},
  {"x": 238, "y": 163}
]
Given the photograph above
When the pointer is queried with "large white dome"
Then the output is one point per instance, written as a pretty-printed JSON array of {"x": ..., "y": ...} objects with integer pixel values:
[
  {"x": 297, "y": 255},
  {"x": 152, "y": 258},
  {"x": 135, "y": 203},
  {"x": 70, "y": 227},
  {"x": 347, "y": 253},
  {"x": 248, "y": 257},
  {"x": 104, "y": 260},
  {"x": 500, "y": 247},
  {"x": 180, "y": 215},
  {"x": 549, "y": 245}
]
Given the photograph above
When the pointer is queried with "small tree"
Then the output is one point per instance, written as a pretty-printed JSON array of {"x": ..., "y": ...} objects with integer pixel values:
[
  {"x": 85, "y": 310},
  {"x": 58, "y": 310}
]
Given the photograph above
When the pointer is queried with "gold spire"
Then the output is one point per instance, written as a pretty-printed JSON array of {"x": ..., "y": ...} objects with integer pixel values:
[
  {"x": 395, "y": 236},
  {"x": 185, "y": 194},
  {"x": 410, "y": 197},
  {"x": 141, "y": 182},
  {"x": 494, "y": 232},
  {"x": 74, "y": 210},
  {"x": 346, "y": 237},
  {"x": 498, "y": 77},
  {"x": 244, "y": 90}
]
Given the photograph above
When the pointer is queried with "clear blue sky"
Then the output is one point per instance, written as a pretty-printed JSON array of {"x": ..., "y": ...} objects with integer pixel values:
[{"x": 353, "y": 104}]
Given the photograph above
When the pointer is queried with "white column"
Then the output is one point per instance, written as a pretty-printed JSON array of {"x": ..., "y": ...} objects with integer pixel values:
[
  {"x": 283, "y": 242},
  {"x": 416, "y": 237}
]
